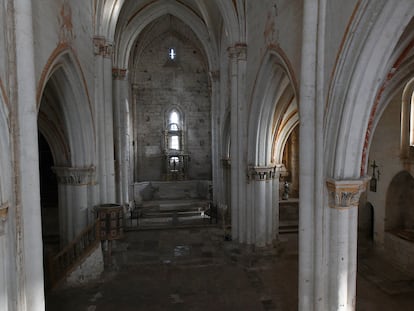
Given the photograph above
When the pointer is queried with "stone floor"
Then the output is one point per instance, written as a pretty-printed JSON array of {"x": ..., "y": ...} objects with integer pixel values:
[
  {"x": 196, "y": 269},
  {"x": 380, "y": 285}
]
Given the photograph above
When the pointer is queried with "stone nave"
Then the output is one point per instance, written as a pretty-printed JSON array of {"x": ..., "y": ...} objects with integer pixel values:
[{"x": 290, "y": 122}]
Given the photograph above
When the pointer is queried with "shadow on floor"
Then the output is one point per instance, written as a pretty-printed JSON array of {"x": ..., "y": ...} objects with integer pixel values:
[
  {"x": 188, "y": 269},
  {"x": 196, "y": 269}
]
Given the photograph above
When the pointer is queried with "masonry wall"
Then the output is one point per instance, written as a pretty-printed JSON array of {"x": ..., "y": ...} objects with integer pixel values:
[
  {"x": 8, "y": 264},
  {"x": 273, "y": 26},
  {"x": 60, "y": 25},
  {"x": 161, "y": 84},
  {"x": 338, "y": 17},
  {"x": 385, "y": 151}
]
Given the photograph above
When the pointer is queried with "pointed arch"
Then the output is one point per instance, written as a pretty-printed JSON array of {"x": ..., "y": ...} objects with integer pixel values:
[
  {"x": 372, "y": 41},
  {"x": 128, "y": 35},
  {"x": 400, "y": 84},
  {"x": 274, "y": 92},
  {"x": 179, "y": 116},
  {"x": 231, "y": 21},
  {"x": 63, "y": 99},
  {"x": 289, "y": 122},
  {"x": 107, "y": 14},
  {"x": 5, "y": 156},
  {"x": 106, "y": 17}
]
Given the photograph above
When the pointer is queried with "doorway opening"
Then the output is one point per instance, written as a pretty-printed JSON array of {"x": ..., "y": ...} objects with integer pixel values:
[{"x": 49, "y": 202}]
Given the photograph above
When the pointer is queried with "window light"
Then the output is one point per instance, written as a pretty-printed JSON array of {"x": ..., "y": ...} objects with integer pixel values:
[{"x": 172, "y": 54}]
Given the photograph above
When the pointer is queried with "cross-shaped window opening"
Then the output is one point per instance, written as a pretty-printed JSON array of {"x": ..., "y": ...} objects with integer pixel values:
[{"x": 172, "y": 53}]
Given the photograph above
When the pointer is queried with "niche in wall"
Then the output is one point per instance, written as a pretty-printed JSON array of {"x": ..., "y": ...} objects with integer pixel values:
[{"x": 399, "y": 203}]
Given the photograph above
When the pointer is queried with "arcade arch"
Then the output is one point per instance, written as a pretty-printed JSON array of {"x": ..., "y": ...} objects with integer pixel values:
[{"x": 66, "y": 123}]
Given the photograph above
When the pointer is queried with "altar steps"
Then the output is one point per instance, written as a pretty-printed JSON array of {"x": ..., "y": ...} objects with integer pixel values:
[{"x": 170, "y": 214}]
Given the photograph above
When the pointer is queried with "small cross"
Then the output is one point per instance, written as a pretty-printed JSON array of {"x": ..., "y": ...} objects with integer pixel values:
[
  {"x": 374, "y": 166},
  {"x": 172, "y": 54},
  {"x": 376, "y": 174}
]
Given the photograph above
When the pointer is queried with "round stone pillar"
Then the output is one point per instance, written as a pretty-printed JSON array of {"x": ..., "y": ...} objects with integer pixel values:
[
  {"x": 261, "y": 205},
  {"x": 4, "y": 255},
  {"x": 27, "y": 227},
  {"x": 226, "y": 191},
  {"x": 122, "y": 133},
  {"x": 103, "y": 50},
  {"x": 342, "y": 261},
  {"x": 218, "y": 195},
  {"x": 73, "y": 191},
  {"x": 238, "y": 136}
]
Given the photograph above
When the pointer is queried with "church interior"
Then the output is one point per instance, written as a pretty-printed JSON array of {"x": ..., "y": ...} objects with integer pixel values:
[{"x": 206, "y": 155}]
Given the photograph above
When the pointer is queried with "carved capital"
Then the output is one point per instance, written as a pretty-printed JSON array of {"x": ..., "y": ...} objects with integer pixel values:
[
  {"x": 344, "y": 194},
  {"x": 262, "y": 173},
  {"x": 119, "y": 74},
  {"x": 4, "y": 210},
  {"x": 102, "y": 47},
  {"x": 75, "y": 176},
  {"x": 238, "y": 51}
]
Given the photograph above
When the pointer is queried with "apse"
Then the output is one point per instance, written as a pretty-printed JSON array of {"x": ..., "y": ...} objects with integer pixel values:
[{"x": 171, "y": 104}]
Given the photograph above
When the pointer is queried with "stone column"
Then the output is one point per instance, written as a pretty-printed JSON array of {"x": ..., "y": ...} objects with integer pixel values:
[
  {"x": 226, "y": 170},
  {"x": 238, "y": 137},
  {"x": 104, "y": 119},
  {"x": 275, "y": 200},
  {"x": 134, "y": 154},
  {"x": 27, "y": 239},
  {"x": 342, "y": 262},
  {"x": 215, "y": 137},
  {"x": 74, "y": 206},
  {"x": 122, "y": 134},
  {"x": 309, "y": 222},
  {"x": 5, "y": 257},
  {"x": 261, "y": 218}
]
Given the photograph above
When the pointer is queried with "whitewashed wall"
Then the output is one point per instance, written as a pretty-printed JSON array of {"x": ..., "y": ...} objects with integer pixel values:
[
  {"x": 64, "y": 23},
  {"x": 385, "y": 150}
]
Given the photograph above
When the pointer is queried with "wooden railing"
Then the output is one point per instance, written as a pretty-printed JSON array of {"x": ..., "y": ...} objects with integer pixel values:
[{"x": 60, "y": 265}]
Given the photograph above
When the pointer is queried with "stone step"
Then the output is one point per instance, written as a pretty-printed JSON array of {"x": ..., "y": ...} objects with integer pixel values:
[
  {"x": 163, "y": 214},
  {"x": 170, "y": 213},
  {"x": 288, "y": 230},
  {"x": 288, "y": 227},
  {"x": 174, "y": 204}
]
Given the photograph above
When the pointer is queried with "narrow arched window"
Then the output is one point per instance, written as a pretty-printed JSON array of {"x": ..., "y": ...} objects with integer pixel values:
[
  {"x": 407, "y": 121},
  {"x": 174, "y": 130},
  {"x": 174, "y": 121},
  {"x": 176, "y": 159},
  {"x": 172, "y": 54}
]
